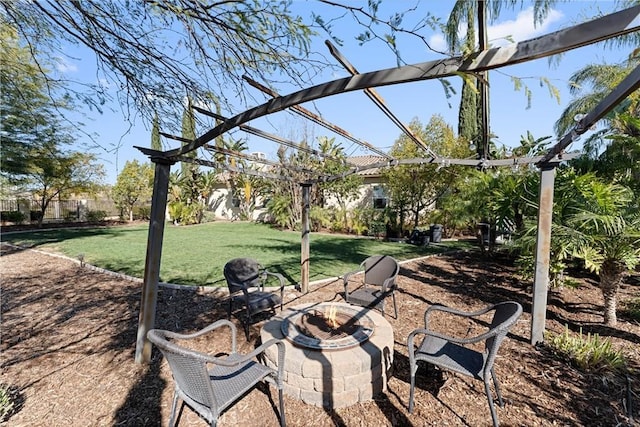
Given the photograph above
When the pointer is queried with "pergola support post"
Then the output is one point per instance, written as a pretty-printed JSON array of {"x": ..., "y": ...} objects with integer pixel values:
[
  {"x": 149, "y": 298},
  {"x": 304, "y": 246},
  {"x": 543, "y": 253}
]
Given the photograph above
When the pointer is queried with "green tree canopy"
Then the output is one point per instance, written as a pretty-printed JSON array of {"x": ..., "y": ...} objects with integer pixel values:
[
  {"x": 154, "y": 51},
  {"x": 134, "y": 184}
]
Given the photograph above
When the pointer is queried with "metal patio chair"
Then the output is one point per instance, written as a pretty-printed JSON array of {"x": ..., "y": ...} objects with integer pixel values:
[
  {"x": 210, "y": 384},
  {"x": 246, "y": 280},
  {"x": 452, "y": 353},
  {"x": 378, "y": 283}
]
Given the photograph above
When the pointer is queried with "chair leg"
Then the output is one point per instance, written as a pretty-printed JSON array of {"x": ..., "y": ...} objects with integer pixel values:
[
  {"x": 174, "y": 406},
  {"x": 395, "y": 307},
  {"x": 281, "y": 401},
  {"x": 487, "y": 390},
  {"x": 412, "y": 387},
  {"x": 497, "y": 386}
]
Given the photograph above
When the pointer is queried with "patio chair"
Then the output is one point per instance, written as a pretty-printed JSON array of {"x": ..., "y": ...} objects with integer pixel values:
[
  {"x": 378, "y": 282},
  {"x": 246, "y": 280},
  {"x": 210, "y": 384},
  {"x": 453, "y": 353}
]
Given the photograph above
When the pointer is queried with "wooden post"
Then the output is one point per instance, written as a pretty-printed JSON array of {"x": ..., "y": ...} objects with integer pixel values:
[
  {"x": 543, "y": 251},
  {"x": 304, "y": 246},
  {"x": 146, "y": 320}
]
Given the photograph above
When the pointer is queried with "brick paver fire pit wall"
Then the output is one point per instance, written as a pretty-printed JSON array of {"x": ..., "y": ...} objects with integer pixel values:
[{"x": 334, "y": 378}]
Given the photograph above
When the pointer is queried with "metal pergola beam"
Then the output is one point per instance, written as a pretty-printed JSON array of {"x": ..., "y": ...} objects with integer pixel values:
[
  {"x": 269, "y": 136},
  {"x": 378, "y": 101},
  {"x": 319, "y": 120},
  {"x": 606, "y": 27},
  {"x": 444, "y": 162}
]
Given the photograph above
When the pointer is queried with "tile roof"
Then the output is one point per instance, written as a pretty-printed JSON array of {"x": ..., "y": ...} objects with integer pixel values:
[{"x": 362, "y": 161}]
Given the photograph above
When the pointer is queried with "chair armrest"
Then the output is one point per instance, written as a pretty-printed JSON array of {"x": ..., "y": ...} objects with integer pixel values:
[
  {"x": 345, "y": 279},
  {"x": 280, "y": 278},
  {"x": 389, "y": 284},
  {"x": 469, "y": 340},
  {"x": 453, "y": 311},
  {"x": 250, "y": 356},
  {"x": 215, "y": 325}
]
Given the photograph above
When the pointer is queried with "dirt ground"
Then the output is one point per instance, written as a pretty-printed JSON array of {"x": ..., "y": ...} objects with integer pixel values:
[{"x": 69, "y": 333}]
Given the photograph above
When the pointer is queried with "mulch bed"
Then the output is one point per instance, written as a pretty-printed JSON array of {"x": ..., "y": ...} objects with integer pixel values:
[{"x": 69, "y": 333}]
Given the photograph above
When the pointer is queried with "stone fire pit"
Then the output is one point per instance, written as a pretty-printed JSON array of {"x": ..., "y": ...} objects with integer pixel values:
[{"x": 332, "y": 364}]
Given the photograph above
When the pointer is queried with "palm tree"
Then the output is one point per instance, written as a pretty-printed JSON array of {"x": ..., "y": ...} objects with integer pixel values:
[
  {"x": 589, "y": 86},
  {"x": 594, "y": 221}
]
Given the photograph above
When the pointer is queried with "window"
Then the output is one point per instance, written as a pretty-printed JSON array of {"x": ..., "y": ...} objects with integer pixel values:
[{"x": 380, "y": 199}]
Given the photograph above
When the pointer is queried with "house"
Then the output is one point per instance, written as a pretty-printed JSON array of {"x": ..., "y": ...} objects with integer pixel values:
[{"x": 372, "y": 193}]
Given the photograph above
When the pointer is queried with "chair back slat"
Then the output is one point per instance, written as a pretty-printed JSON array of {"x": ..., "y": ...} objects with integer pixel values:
[
  {"x": 504, "y": 316},
  {"x": 242, "y": 273},
  {"x": 379, "y": 268},
  {"x": 189, "y": 373}
]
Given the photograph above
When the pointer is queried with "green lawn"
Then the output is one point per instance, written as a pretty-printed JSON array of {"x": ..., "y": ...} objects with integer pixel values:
[{"x": 196, "y": 254}]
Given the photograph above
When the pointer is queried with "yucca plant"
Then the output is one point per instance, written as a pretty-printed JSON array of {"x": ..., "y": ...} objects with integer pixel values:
[
  {"x": 6, "y": 402},
  {"x": 631, "y": 308},
  {"x": 590, "y": 353}
]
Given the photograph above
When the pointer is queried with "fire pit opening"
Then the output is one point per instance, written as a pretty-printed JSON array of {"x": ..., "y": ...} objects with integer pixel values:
[{"x": 328, "y": 327}]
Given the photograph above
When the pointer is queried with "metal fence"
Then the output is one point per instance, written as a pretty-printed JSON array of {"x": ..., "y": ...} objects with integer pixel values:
[{"x": 59, "y": 210}]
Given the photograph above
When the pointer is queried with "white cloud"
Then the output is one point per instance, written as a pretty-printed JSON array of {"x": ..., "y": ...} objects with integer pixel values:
[
  {"x": 437, "y": 42},
  {"x": 521, "y": 28},
  {"x": 65, "y": 66},
  {"x": 518, "y": 29}
]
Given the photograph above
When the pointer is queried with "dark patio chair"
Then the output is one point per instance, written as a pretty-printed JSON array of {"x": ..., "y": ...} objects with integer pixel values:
[
  {"x": 453, "y": 353},
  {"x": 210, "y": 384},
  {"x": 378, "y": 282},
  {"x": 246, "y": 280}
]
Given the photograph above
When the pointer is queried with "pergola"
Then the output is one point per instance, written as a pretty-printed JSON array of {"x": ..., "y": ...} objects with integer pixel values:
[{"x": 616, "y": 24}]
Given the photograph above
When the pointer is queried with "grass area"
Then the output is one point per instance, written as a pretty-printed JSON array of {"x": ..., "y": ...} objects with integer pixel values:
[{"x": 196, "y": 254}]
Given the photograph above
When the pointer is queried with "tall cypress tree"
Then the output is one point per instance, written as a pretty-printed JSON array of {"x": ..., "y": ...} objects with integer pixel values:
[
  {"x": 469, "y": 114},
  {"x": 189, "y": 133},
  {"x": 155, "y": 134}
]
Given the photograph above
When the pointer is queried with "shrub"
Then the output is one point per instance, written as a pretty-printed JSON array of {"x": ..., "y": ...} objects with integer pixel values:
[
  {"x": 16, "y": 217},
  {"x": 142, "y": 212},
  {"x": 590, "y": 353},
  {"x": 70, "y": 215},
  {"x": 320, "y": 218},
  {"x": 6, "y": 402},
  {"x": 96, "y": 216},
  {"x": 35, "y": 215},
  {"x": 631, "y": 308}
]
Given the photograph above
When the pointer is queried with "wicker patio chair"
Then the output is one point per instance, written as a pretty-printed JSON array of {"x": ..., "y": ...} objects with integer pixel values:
[
  {"x": 246, "y": 280},
  {"x": 452, "y": 353},
  {"x": 210, "y": 384},
  {"x": 378, "y": 282}
]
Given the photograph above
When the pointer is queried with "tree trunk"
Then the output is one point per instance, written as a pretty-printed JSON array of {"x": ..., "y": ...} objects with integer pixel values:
[{"x": 611, "y": 275}]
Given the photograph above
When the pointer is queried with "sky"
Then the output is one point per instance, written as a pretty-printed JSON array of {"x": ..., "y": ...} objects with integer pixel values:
[{"x": 509, "y": 116}]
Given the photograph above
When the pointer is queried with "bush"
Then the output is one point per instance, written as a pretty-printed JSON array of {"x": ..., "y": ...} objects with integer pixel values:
[
  {"x": 35, "y": 215},
  {"x": 70, "y": 215},
  {"x": 15, "y": 217},
  {"x": 6, "y": 402},
  {"x": 590, "y": 353},
  {"x": 96, "y": 216},
  {"x": 631, "y": 308},
  {"x": 142, "y": 212}
]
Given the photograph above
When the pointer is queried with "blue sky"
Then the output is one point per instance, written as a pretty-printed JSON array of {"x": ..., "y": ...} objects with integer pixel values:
[{"x": 354, "y": 112}]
